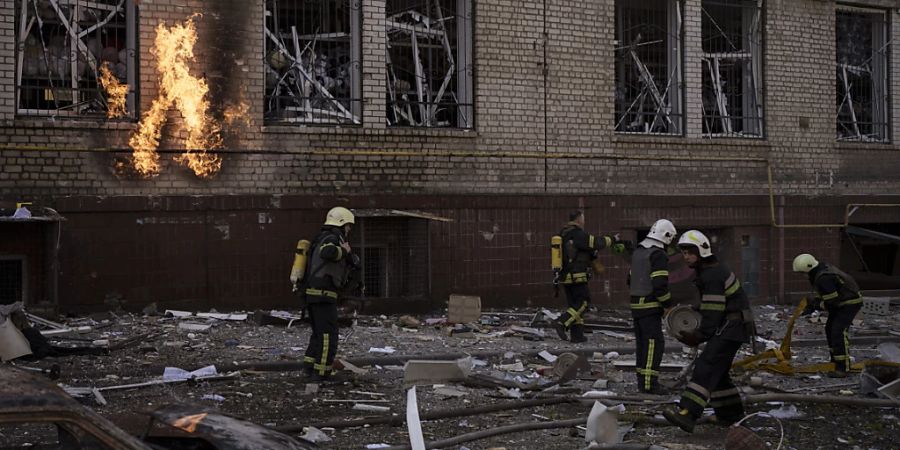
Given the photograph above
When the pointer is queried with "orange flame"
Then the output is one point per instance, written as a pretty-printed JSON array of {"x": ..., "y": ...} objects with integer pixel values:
[
  {"x": 115, "y": 92},
  {"x": 174, "y": 50}
]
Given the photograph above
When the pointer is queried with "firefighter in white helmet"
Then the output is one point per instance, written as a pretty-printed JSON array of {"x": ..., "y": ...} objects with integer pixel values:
[
  {"x": 726, "y": 324},
  {"x": 649, "y": 285},
  {"x": 330, "y": 264},
  {"x": 839, "y": 294}
]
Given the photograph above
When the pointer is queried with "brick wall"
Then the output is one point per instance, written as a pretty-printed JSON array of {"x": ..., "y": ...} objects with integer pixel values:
[{"x": 544, "y": 126}]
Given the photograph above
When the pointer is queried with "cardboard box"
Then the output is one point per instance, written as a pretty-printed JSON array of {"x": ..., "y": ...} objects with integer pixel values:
[{"x": 464, "y": 309}]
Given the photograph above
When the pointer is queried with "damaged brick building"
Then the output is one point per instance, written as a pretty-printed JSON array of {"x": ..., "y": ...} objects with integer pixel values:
[{"x": 460, "y": 131}]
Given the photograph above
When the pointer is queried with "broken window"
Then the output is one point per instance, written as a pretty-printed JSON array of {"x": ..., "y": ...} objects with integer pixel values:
[
  {"x": 732, "y": 68},
  {"x": 313, "y": 61},
  {"x": 648, "y": 66},
  {"x": 75, "y": 57},
  {"x": 862, "y": 74},
  {"x": 429, "y": 63}
]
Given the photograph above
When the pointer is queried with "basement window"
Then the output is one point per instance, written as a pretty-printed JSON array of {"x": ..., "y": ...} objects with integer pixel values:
[
  {"x": 862, "y": 49},
  {"x": 648, "y": 67},
  {"x": 76, "y": 58},
  {"x": 312, "y": 62},
  {"x": 395, "y": 254},
  {"x": 732, "y": 68},
  {"x": 429, "y": 63}
]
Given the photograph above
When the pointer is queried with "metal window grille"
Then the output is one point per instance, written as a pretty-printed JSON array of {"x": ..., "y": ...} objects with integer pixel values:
[
  {"x": 61, "y": 47},
  {"x": 395, "y": 256},
  {"x": 862, "y": 48},
  {"x": 429, "y": 63},
  {"x": 12, "y": 280},
  {"x": 648, "y": 66},
  {"x": 732, "y": 68},
  {"x": 313, "y": 61}
]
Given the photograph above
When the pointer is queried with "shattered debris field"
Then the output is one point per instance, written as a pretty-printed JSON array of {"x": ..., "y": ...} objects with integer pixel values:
[{"x": 506, "y": 358}]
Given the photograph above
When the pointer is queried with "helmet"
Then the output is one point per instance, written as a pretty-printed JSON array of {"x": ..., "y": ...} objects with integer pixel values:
[
  {"x": 694, "y": 238},
  {"x": 339, "y": 216},
  {"x": 663, "y": 231},
  {"x": 804, "y": 263}
]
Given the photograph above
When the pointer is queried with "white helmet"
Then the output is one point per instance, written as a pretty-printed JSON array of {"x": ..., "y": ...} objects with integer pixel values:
[
  {"x": 804, "y": 263},
  {"x": 662, "y": 231},
  {"x": 694, "y": 238},
  {"x": 339, "y": 216}
]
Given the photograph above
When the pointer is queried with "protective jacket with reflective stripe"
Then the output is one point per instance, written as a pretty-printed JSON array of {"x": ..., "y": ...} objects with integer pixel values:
[
  {"x": 329, "y": 265},
  {"x": 649, "y": 281},
  {"x": 579, "y": 250},
  {"x": 834, "y": 287},
  {"x": 724, "y": 307}
]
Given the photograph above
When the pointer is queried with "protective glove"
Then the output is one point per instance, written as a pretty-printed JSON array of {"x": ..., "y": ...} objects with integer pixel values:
[
  {"x": 690, "y": 339},
  {"x": 813, "y": 306}
]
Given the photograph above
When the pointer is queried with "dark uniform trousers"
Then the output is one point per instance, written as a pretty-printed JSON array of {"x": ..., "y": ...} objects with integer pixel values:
[
  {"x": 323, "y": 343},
  {"x": 711, "y": 383},
  {"x": 578, "y": 297},
  {"x": 836, "y": 332},
  {"x": 651, "y": 344}
]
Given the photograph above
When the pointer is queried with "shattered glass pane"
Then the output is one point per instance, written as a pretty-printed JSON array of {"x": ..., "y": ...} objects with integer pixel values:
[
  {"x": 429, "y": 63},
  {"x": 731, "y": 67},
  {"x": 312, "y": 61},
  {"x": 648, "y": 66},
  {"x": 64, "y": 48},
  {"x": 861, "y": 57}
]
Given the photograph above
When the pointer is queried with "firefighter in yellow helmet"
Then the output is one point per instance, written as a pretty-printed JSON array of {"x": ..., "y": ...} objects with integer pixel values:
[
  {"x": 837, "y": 293},
  {"x": 330, "y": 263},
  {"x": 579, "y": 250}
]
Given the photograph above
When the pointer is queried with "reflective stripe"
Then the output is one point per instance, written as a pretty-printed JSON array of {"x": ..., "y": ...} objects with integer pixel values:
[
  {"x": 322, "y": 366},
  {"x": 731, "y": 279},
  {"x": 694, "y": 398},
  {"x": 666, "y": 297},
  {"x": 700, "y": 389},
  {"x": 733, "y": 288},
  {"x": 830, "y": 296},
  {"x": 713, "y": 298},
  {"x": 309, "y": 359},
  {"x": 712, "y": 307},
  {"x": 591, "y": 241},
  {"x": 659, "y": 273},
  {"x": 646, "y": 305},
  {"x": 321, "y": 293},
  {"x": 608, "y": 241},
  {"x": 854, "y": 301},
  {"x": 339, "y": 249},
  {"x": 648, "y": 371},
  {"x": 580, "y": 277},
  {"x": 575, "y": 315}
]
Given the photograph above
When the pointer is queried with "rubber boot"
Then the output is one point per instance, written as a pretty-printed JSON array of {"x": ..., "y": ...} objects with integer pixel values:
[
  {"x": 561, "y": 330},
  {"x": 682, "y": 419},
  {"x": 578, "y": 334}
]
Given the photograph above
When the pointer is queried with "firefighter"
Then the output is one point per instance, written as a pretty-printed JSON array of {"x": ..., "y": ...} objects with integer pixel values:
[
  {"x": 839, "y": 295},
  {"x": 726, "y": 324},
  {"x": 650, "y": 297},
  {"x": 579, "y": 251},
  {"x": 330, "y": 263}
]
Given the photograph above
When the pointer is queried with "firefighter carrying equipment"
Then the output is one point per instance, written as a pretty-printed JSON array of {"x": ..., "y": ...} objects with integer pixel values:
[
  {"x": 694, "y": 238},
  {"x": 301, "y": 257},
  {"x": 804, "y": 263},
  {"x": 846, "y": 294},
  {"x": 339, "y": 216}
]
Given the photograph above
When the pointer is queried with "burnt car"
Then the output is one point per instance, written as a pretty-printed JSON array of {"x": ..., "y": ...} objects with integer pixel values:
[{"x": 37, "y": 414}]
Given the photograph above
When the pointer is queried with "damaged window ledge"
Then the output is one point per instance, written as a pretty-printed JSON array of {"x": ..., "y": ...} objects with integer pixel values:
[
  {"x": 683, "y": 140},
  {"x": 364, "y": 131},
  {"x": 857, "y": 145},
  {"x": 68, "y": 123}
]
